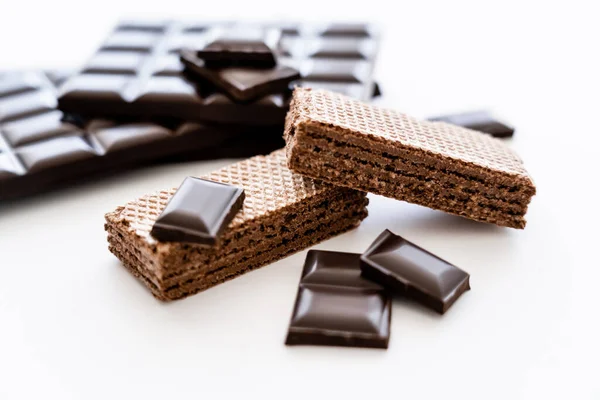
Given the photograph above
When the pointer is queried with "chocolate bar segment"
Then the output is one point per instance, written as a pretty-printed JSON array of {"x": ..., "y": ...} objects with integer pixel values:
[
  {"x": 408, "y": 270},
  {"x": 137, "y": 73},
  {"x": 282, "y": 213},
  {"x": 198, "y": 212},
  {"x": 42, "y": 149},
  {"x": 481, "y": 121},
  {"x": 241, "y": 46},
  {"x": 335, "y": 306},
  {"x": 240, "y": 83},
  {"x": 346, "y": 142}
]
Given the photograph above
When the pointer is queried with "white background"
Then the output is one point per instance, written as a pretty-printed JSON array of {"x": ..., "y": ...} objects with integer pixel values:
[{"x": 75, "y": 325}]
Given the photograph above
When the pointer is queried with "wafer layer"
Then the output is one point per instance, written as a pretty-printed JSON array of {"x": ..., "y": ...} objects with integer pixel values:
[
  {"x": 348, "y": 143},
  {"x": 283, "y": 213}
]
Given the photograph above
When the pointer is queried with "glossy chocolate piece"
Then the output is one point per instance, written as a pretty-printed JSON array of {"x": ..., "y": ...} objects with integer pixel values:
[
  {"x": 42, "y": 149},
  {"x": 244, "y": 46},
  {"x": 408, "y": 270},
  {"x": 137, "y": 73},
  {"x": 481, "y": 121},
  {"x": 198, "y": 212},
  {"x": 336, "y": 306},
  {"x": 240, "y": 83}
]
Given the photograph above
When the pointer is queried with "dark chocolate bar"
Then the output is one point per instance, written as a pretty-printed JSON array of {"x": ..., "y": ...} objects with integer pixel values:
[
  {"x": 137, "y": 72},
  {"x": 198, "y": 212},
  {"x": 241, "y": 84},
  {"x": 409, "y": 270},
  {"x": 336, "y": 306},
  {"x": 245, "y": 46},
  {"x": 42, "y": 149},
  {"x": 481, "y": 121}
]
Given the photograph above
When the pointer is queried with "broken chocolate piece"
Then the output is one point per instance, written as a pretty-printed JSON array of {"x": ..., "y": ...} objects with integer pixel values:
[
  {"x": 198, "y": 212},
  {"x": 409, "y": 270},
  {"x": 241, "y": 84},
  {"x": 250, "y": 47},
  {"x": 481, "y": 121},
  {"x": 335, "y": 306}
]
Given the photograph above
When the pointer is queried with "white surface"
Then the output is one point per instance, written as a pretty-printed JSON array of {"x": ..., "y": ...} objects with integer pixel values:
[{"x": 75, "y": 325}]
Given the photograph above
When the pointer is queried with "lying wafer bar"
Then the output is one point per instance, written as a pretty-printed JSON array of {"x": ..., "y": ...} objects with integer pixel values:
[
  {"x": 345, "y": 142},
  {"x": 137, "y": 72},
  {"x": 282, "y": 213},
  {"x": 41, "y": 150}
]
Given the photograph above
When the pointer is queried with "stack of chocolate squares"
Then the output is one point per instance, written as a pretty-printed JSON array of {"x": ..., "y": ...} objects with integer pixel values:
[
  {"x": 242, "y": 64},
  {"x": 179, "y": 242}
]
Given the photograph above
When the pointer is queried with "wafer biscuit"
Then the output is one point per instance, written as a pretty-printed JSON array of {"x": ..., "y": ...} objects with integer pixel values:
[
  {"x": 283, "y": 212},
  {"x": 352, "y": 144}
]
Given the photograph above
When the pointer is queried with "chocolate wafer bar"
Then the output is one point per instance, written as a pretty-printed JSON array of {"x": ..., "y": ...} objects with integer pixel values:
[
  {"x": 137, "y": 72},
  {"x": 42, "y": 149},
  {"x": 283, "y": 213},
  {"x": 348, "y": 143}
]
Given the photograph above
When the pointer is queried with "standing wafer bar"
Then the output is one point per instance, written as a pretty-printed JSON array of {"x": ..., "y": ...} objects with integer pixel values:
[
  {"x": 346, "y": 142},
  {"x": 282, "y": 213}
]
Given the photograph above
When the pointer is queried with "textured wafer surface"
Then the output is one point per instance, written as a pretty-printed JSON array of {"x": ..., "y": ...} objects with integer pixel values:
[
  {"x": 325, "y": 108},
  {"x": 268, "y": 183},
  {"x": 283, "y": 212}
]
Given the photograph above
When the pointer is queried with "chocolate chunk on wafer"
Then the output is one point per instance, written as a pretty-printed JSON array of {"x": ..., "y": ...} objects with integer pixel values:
[
  {"x": 460, "y": 171},
  {"x": 198, "y": 212},
  {"x": 283, "y": 213}
]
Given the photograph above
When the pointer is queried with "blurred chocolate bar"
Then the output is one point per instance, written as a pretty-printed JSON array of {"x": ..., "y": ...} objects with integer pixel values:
[
  {"x": 42, "y": 149},
  {"x": 241, "y": 84},
  {"x": 137, "y": 72}
]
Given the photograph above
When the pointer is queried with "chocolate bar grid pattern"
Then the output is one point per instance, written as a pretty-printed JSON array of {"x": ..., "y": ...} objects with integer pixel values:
[
  {"x": 32, "y": 133},
  {"x": 137, "y": 71},
  {"x": 35, "y": 140},
  {"x": 34, "y": 137}
]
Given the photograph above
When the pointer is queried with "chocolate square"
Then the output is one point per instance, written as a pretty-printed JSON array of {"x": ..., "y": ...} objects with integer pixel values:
[
  {"x": 198, "y": 212},
  {"x": 241, "y": 84},
  {"x": 243, "y": 47},
  {"x": 336, "y": 306},
  {"x": 409, "y": 270}
]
